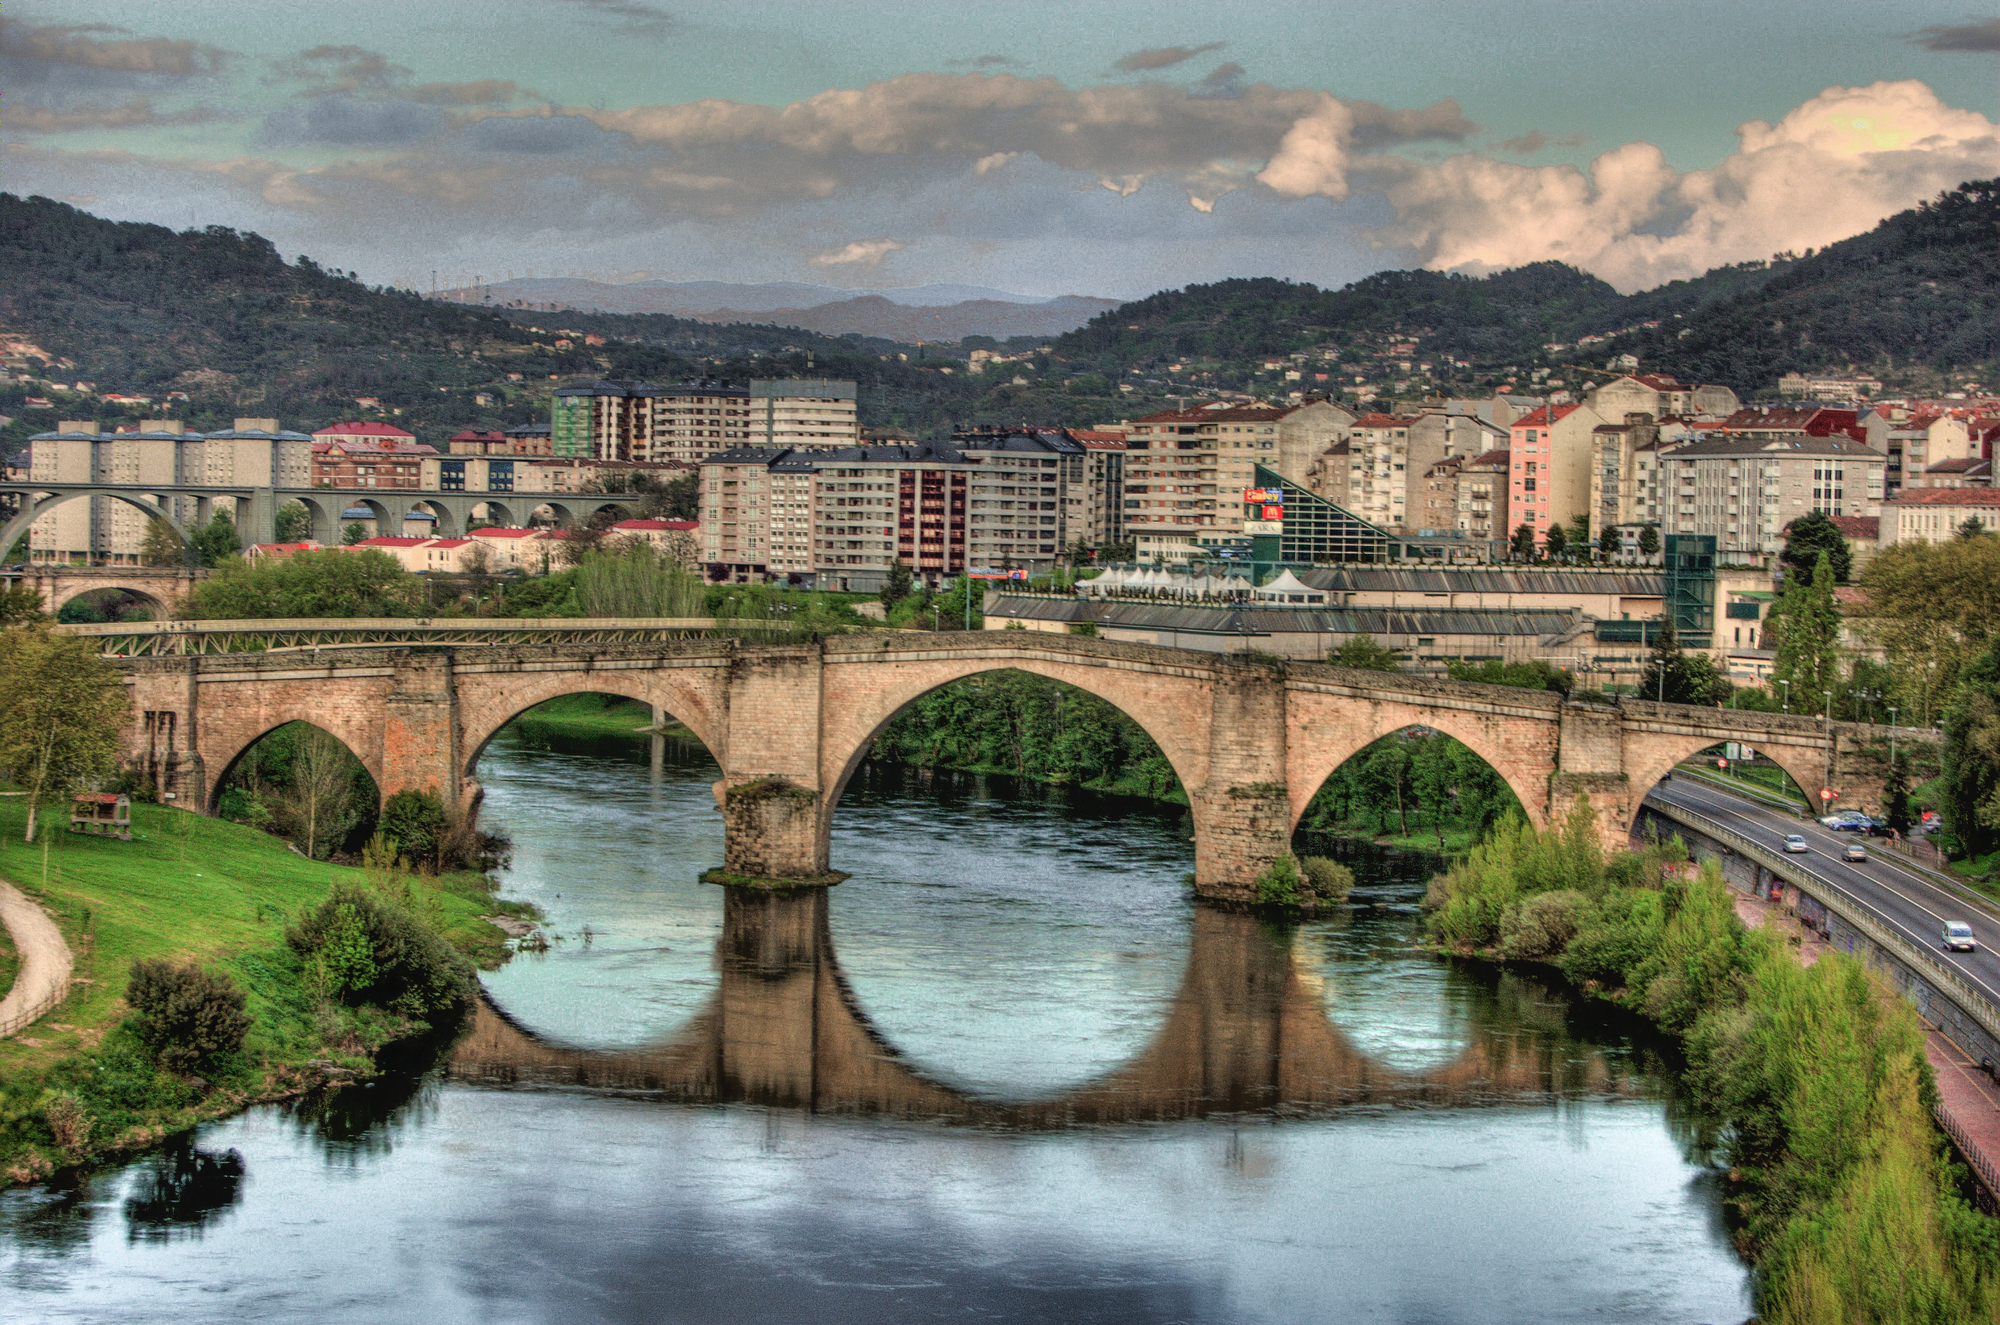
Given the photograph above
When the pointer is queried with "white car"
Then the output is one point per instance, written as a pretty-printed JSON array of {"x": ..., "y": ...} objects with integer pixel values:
[
  {"x": 1795, "y": 845},
  {"x": 1958, "y": 937}
]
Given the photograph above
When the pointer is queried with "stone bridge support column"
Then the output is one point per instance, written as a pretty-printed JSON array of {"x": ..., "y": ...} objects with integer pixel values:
[
  {"x": 1591, "y": 763},
  {"x": 160, "y": 741},
  {"x": 1243, "y": 813},
  {"x": 775, "y": 813},
  {"x": 420, "y": 728}
]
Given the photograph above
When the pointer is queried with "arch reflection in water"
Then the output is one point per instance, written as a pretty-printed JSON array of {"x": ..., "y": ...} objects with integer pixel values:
[{"x": 1248, "y": 1030}]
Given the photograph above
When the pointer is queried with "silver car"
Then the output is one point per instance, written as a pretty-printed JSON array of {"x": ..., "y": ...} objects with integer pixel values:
[
  {"x": 1958, "y": 937},
  {"x": 1795, "y": 845}
]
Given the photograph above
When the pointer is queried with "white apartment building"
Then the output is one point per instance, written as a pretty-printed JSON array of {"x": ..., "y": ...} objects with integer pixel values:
[
  {"x": 1933, "y": 515},
  {"x": 806, "y": 412},
  {"x": 1745, "y": 491},
  {"x": 1179, "y": 464},
  {"x": 639, "y": 421}
]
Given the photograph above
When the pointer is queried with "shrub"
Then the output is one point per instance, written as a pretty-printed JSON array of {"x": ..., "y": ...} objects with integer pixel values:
[
  {"x": 362, "y": 948},
  {"x": 1279, "y": 885},
  {"x": 1542, "y": 926},
  {"x": 1330, "y": 880},
  {"x": 188, "y": 1017},
  {"x": 69, "y": 1124},
  {"x": 416, "y": 824},
  {"x": 1613, "y": 939}
]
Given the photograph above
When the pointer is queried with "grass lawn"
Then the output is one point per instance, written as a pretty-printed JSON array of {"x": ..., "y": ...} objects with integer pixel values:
[
  {"x": 10, "y": 962},
  {"x": 1421, "y": 837},
  {"x": 221, "y": 893},
  {"x": 590, "y": 715}
]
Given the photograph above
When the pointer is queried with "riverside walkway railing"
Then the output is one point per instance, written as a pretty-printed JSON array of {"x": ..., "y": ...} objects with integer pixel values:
[{"x": 159, "y": 639}]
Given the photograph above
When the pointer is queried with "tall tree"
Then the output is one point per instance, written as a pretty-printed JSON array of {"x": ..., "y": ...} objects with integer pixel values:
[
  {"x": 217, "y": 540},
  {"x": 294, "y": 522},
  {"x": 1809, "y": 637},
  {"x": 1665, "y": 677},
  {"x": 1555, "y": 543},
  {"x": 1972, "y": 527},
  {"x": 1579, "y": 536},
  {"x": 1365, "y": 653},
  {"x": 1649, "y": 541},
  {"x": 1807, "y": 539},
  {"x": 61, "y": 710},
  {"x": 161, "y": 546},
  {"x": 1971, "y": 778},
  {"x": 1896, "y": 795},
  {"x": 1522, "y": 545},
  {"x": 898, "y": 586},
  {"x": 1932, "y": 607}
]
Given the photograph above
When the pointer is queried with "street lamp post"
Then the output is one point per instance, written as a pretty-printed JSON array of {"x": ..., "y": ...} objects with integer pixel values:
[
  {"x": 1828, "y": 729},
  {"x": 1892, "y": 736},
  {"x": 1787, "y": 695}
]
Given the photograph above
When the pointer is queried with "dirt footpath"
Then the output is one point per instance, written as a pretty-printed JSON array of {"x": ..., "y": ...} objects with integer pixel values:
[{"x": 45, "y": 960}]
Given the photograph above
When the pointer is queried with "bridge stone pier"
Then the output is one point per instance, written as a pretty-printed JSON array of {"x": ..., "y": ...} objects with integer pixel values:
[{"x": 789, "y": 723}]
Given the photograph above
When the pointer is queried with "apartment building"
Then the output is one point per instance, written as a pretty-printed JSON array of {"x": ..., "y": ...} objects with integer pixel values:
[
  {"x": 1743, "y": 491},
  {"x": 804, "y": 412},
  {"x": 607, "y": 420},
  {"x": 1550, "y": 451},
  {"x": 1030, "y": 494},
  {"x": 254, "y": 452},
  {"x": 1482, "y": 497},
  {"x": 1434, "y": 508},
  {"x": 1179, "y": 462},
  {"x": 1934, "y": 515},
  {"x": 368, "y": 461},
  {"x": 1661, "y": 396},
  {"x": 1839, "y": 390},
  {"x": 1619, "y": 488},
  {"x": 1104, "y": 477}
]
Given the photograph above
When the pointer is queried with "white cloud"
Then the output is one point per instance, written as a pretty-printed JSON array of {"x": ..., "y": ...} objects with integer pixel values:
[
  {"x": 1831, "y": 168},
  {"x": 861, "y": 252}
]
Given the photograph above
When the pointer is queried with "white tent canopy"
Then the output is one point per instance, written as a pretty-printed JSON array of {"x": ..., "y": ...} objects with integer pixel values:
[{"x": 1288, "y": 588}]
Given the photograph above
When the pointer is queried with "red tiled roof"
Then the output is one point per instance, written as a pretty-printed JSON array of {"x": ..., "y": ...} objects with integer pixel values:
[
  {"x": 1957, "y": 466},
  {"x": 387, "y": 540},
  {"x": 642, "y": 525},
  {"x": 1089, "y": 435},
  {"x": 1501, "y": 458},
  {"x": 468, "y": 435},
  {"x": 445, "y": 542},
  {"x": 362, "y": 430},
  {"x": 1660, "y": 381},
  {"x": 1386, "y": 420},
  {"x": 504, "y": 533},
  {"x": 1866, "y": 528},
  {"x": 1946, "y": 497},
  {"x": 1542, "y": 417}
]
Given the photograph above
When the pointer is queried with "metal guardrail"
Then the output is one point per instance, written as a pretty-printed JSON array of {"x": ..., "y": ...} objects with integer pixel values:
[
  {"x": 1969, "y": 1149},
  {"x": 1851, "y": 909},
  {"x": 160, "y": 639}
]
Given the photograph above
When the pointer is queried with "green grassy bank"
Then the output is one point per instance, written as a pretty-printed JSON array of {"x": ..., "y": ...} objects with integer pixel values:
[
  {"x": 589, "y": 715},
  {"x": 222, "y": 895}
]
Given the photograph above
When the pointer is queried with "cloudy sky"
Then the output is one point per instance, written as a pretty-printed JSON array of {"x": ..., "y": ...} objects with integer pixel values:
[{"x": 1108, "y": 148}]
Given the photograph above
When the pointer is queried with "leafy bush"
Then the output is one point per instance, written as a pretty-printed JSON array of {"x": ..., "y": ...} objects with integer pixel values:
[
  {"x": 416, "y": 825},
  {"x": 1330, "y": 880},
  {"x": 188, "y": 1017},
  {"x": 359, "y": 947},
  {"x": 1543, "y": 925},
  {"x": 1280, "y": 884}
]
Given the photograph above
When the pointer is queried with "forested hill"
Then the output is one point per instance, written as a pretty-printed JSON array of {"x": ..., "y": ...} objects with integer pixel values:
[
  {"x": 1922, "y": 289},
  {"x": 1494, "y": 320}
]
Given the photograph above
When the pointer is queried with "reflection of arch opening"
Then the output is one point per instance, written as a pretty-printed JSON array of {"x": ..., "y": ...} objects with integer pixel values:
[
  {"x": 1416, "y": 782},
  {"x": 881, "y": 709},
  {"x": 35, "y": 508},
  {"x": 302, "y": 782}
]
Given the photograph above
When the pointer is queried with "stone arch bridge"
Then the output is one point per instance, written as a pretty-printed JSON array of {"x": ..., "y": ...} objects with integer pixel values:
[
  {"x": 790, "y": 722},
  {"x": 160, "y": 588}
]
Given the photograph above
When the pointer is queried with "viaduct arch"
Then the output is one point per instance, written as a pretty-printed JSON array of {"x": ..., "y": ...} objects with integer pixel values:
[
  {"x": 41, "y": 504},
  {"x": 789, "y": 722}
]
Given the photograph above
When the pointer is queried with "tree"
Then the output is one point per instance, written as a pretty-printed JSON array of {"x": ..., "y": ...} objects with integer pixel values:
[
  {"x": 678, "y": 498},
  {"x": 20, "y": 606},
  {"x": 217, "y": 540},
  {"x": 1649, "y": 541},
  {"x": 1972, "y": 528},
  {"x": 1807, "y": 539},
  {"x": 898, "y": 586},
  {"x": 162, "y": 546},
  {"x": 61, "y": 710},
  {"x": 1608, "y": 545},
  {"x": 1665, "y": 676},
  {"x": 1555, "y": 543},
  {"x": 415, "y": 825},
  {"x": 1431, "y": 769},
  {"x": 294, "y": 522},
  {"x": 1534, "y": 674},
  {"x": 330, "y": 583},
  {"x": 1932, "y": 607},
  {"x": 353, "y": 532},
  {"x": 1896, "y": 796},
  {"x": 1579, "y": 536},
  {"x": 1365, "y": 653},
  {"x": 583, "y": 537},
  {"x": 322, "y": 787},
  {"x": 1522, "y": 546},
  {"x": 1971, "y": 778},
  {"x": 1808, "y": 626}
]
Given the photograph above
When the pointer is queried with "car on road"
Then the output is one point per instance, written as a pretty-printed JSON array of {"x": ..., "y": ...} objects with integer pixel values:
[
  {"x": 1795, "y": 844},
  {"x": 1855, "y": 851},
  {"x": 1958, "y": 937}
]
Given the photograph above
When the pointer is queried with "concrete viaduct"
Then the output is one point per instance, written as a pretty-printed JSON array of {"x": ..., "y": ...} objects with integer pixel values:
[
  {"x": 790, "y": 722},
  {"x": 256, "y": 508},
  {"x": 1247, "y": 1030}
]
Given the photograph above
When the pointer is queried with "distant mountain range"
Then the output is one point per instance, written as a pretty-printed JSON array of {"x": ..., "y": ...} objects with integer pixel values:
[{"x": 912, "y": 314}]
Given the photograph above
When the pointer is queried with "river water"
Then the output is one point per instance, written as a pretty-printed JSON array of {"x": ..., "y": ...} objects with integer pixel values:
[{"x": 1007, "y": 1072}]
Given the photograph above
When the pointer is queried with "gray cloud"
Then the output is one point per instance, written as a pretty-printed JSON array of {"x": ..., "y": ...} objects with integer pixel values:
[
  {"x": 535, "y": 135},
  {"x": 329, "y": 69},
  {"x": 480, "y": 92},
  {"x": 1224, "y": 81},
  {"x": 1983, "y": 37},
  {"x": 1535, "y": 140},
  {"x": 82, "y": 45},
  {"x": 139, "y": 112},
  {"x": 991, "y": 62},
  {"x": 1161, "y": 57},
  {"x": 339, "y": 120},
  {"x": 631, "y": 15}
]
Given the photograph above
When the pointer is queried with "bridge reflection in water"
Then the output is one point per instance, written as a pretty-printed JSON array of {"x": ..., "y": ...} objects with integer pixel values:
[{"x": 1247, "y": 1030}]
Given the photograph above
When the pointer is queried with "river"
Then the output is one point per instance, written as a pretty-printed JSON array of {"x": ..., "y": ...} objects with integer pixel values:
[{"x": 1008, "y": 1071}]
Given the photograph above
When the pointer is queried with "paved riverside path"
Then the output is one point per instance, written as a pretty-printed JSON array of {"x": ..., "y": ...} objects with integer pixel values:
[{"x": 45, "y": 960}]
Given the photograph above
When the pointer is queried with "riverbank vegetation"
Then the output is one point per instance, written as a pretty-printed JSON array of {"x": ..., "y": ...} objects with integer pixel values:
[
  {"x": 115, "y": 1068},
  {"x": 1843, "y": 1189}
]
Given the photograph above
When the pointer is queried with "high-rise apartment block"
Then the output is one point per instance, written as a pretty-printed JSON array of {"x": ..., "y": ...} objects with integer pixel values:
[
  {"x": 810, "y": 412},
  {"x": 606, "y": 420}
]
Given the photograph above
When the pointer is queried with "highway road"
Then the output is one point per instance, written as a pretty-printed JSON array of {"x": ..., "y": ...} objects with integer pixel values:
[{"x": 1906, "y": 899}]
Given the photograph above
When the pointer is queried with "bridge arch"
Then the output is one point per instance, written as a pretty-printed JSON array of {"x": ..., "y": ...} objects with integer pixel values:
[
  {"x": 36, "y": 508},
  {"x": 1651, "y": 755},
  {"x": 447, "y": 519},
  {"x": 242, "y": 735},
  {"x": 855, "y": 712},
  {"x": 1325, "y": 731},
  {"x": 64, "y": 594},
  {"x": 489, "y": 703},
  {"x": 324, "y": 517}
]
